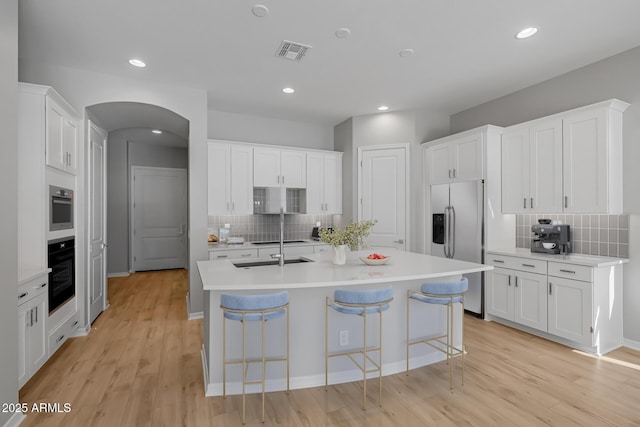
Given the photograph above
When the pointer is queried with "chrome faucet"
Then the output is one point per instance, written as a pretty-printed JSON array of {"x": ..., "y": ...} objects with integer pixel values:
[{"x": 280, "y": 256}]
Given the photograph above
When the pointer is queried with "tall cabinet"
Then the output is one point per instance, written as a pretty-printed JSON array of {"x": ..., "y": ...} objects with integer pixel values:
[{"x": 230, "y": 179}]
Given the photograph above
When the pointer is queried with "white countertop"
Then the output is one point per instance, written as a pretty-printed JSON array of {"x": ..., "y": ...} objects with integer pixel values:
[
  {"x": 27, "y": 275},
  {"x": 402, "y": 266},
  {"x": 577, "y": 259}
]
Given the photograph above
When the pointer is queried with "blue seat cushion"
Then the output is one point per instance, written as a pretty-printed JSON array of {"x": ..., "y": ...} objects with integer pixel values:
[
  {"x": 446, "y": 288},
  {"x": 367, "y": 298},
  {"x": 432, "y": 300},
  {"x": 254, "y": 303}
]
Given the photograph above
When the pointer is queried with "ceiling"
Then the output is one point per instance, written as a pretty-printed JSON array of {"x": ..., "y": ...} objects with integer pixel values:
[{"x": 465, "y": 52}]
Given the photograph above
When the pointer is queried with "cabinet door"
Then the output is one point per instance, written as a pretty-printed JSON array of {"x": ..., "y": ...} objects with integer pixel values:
[
  {"x": 293, "y": 169},
  {"x": 531, "y": 300},
  {"x": 332, "y": 184},
  {"x": 266, "y": 167},
  {"x": 219, "y": 172},
  {"x": 545, "y": 166},
  {"x": 466, "y": 160},
  {"x": 585, "y": 162},
  {"x": 515, "y": 170},
  {"x": 315, "y": 183},
  {"x": 438, "y": 164},
  {"x": 38, "y": 333},
  {"x": 570, "y": 309},
  {"x": 24, "y": 320},
  {"x": 56, "y": 155},
  {"x": 241, "y": 180},
  {"x": 500, "y": 293},
  {"x": 70, "y": 144}
]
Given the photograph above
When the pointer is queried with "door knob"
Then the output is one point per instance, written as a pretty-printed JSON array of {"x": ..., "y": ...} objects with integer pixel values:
[
  {"x": 103, "y": 245},
  {"x": 401, "y": 241}
]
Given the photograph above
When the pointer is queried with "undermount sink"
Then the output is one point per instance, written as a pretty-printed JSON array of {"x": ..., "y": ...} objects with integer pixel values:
[{"x": 247, "y": 264}]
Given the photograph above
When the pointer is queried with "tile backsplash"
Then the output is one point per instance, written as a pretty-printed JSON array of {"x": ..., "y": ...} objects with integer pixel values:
[
  {"x": 256, "y": 228},
  {"x": 604, "y": 235}
]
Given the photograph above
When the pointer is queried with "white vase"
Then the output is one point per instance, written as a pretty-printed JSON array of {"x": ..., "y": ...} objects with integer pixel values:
[{"x": 339, "y": 254}]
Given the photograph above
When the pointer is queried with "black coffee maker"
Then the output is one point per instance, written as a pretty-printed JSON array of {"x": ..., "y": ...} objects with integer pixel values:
[{"x": 550, "y": 238}]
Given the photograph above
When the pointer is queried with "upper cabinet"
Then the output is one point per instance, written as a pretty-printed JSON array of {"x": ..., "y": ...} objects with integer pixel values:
[
  {"x": 532, "y": 167},
  {"x": 61, "y": 136},
  {"x": 457, "y": 159},
  {"x": 274, "y": 167},
  {"x": 230, "y": 179},
  {"x": 570, "y": 162},
  {"x": 324, "y": 183}
]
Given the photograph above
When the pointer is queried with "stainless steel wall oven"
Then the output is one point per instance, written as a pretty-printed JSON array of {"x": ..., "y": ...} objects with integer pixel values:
[
  {"x": 60, "y": 208},
  {"x": 62, "y": 283}
]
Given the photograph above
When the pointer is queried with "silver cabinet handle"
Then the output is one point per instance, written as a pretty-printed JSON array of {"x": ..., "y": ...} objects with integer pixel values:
[
  {"x": 529, "y": 265},
  {"x": 566, "y": 201},
  {"x": 498, "y": 260},
  {"x": 550, "y": 293},
  {"x": 233, "y": 206},
  {"x": 454, "y": 173},
  {"x": 278, "y": 179},
  {"x": 509, "y": 280},
  {"x": 516, "y": 281},
  {"x": 525, "y": 203},
  {"x": 22, "y": 295},
  {"x": 39, "y": 287},
  {"x": 222, "y": 256},
  {"x": 36, "y": 314},
  {"x": 531, "y": 204},
  {"x": 60, "y": 338},
  {"x": 568, "y": 271},
  {"x": 449, "y": 173},
  {"x": 31, "y": 317},
  {"x": 401, "y": 241},
  {"x": 245, "y": 255},
  {"x": 283, "y": 179}
]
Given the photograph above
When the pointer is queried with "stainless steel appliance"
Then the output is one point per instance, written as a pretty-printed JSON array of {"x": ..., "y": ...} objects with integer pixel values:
[
  {"x": 458, "y": 232},
  {"x": 269, "y": 200},
  {"x": 60, "y": 208},
  {"x": 551, "y": 239},
  {"x": 62, "y": 282}
]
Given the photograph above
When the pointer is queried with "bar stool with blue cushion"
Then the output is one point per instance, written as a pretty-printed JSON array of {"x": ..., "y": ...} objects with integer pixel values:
[
  {"x": 360, "y": 303},
  {"x": 252, "y": 308},
  {"x": 445, "y": 293}
]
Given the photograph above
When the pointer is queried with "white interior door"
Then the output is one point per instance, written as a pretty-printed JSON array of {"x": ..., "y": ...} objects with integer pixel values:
[
  {"x": 159, "y": 218},
  {"x": 384, "y": 186},
  {"x": 97, "y": 222}
]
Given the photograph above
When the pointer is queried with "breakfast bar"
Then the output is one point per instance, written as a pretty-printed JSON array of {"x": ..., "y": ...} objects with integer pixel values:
[{"x": 308, "y": 283}]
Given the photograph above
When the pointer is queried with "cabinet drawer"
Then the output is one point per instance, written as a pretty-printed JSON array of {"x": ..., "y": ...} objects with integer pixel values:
[
  {"x": 571, "y": 271},
  {"x": 321, "y": 249},
  {"x": 516, "y": 263},
  {"x": 59, "y": 335},
  {"x": 32, "y": 289},
  {"x": 233, "y": 254}
]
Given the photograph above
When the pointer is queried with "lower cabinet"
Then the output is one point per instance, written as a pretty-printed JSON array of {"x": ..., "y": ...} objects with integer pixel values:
[
  {"x": 566, "y": 304},
  {"x": 32, "y": 331}
]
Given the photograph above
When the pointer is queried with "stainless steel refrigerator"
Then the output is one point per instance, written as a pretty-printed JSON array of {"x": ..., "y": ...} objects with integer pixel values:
[{"x": 458, "y": 232}]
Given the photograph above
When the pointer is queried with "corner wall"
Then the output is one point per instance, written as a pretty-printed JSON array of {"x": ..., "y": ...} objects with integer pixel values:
[
  {"x": 614, "y": 77},
  {"x": 9, "y": 211}
]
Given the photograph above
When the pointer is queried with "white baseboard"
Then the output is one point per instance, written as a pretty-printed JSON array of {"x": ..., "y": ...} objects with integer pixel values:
[
  {"x": 279, "y": 384},
  {"x": 125, "y": 274},
  {"x": 16, "y": 419},
  {"x": 190, "y": 315},
  {"x": 635, "y": 345}
]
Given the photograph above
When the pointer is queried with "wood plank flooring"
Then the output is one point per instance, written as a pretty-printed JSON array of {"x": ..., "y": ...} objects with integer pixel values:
[{"x": 140, "y": 366}]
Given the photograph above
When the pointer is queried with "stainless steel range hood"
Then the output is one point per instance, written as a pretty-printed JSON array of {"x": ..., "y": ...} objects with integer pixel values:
[{"x": 269, "y": 200}]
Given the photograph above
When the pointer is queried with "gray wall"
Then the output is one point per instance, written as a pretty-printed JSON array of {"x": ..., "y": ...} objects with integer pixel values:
[
  {"x": 121, "y": 155},
  {"x": 263, "y": 130},
  {"x": 614, "y": 77},
  {"x": 8, "y": 211}
]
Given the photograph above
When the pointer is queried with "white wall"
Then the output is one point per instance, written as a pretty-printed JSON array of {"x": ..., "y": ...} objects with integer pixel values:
[
  {"x": 85, "y": 88},
  {"x": 403, "y": 127},
  {"x": 8, "y": 211},
  {"x": 121, "y": 155},
  {"x": 614, "y": 77},
  {"x": 263, "y": 130}
]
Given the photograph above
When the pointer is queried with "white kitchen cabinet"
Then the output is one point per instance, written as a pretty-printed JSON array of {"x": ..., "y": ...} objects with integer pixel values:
[
  {"x": 576, "y": 305},
  {"x": 230, "y": 181},
  {"x": 61, "y": 135},
  {"x": 324, "y": 183},
  {"x": 592, "y": 158},
  {"x": 458, "y": 158},
  {"x": 241, "y": 253},
  {"x": 274, "y": 167},
  {"x": 532, "y": 167},
  {"x": 32, "y": 338}
]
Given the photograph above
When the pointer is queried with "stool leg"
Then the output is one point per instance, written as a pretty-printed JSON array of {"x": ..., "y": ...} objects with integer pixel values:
[
  {"x": 462, "y": 339},
  {"x": 364, "y": 361},
  {"x": 244, "y": 372},
  {"x": 408, "y": 305},
  {"x": 380, "y": 360},
  {"x": 450, "y": 342},
  {"x": 326, "y": 344},
  {"x": 224, "y": 357},
  {"x": 263, "y": 373},
  {"x": 288, "y": 349}
]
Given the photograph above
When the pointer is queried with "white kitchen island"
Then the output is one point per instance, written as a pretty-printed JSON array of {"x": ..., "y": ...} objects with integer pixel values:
[{"x": 308, "y": 285}]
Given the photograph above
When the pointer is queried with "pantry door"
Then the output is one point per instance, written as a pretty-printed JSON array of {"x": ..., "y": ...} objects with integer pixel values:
[
  {"x": 158, "y": 218},
  {"x": 383, "y": 191}
]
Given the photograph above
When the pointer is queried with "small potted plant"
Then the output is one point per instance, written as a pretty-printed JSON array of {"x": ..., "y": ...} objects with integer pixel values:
[{"x": 352, "y": 235}]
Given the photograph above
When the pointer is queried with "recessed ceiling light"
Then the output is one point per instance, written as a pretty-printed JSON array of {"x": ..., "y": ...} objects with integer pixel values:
[
  {"x": 527, "y": 32},
  {"x": 405, "y": 52},
  {"x": 343, "y": 33},
  {"x": 260, "y": 10},
  {"x": 383, "y": 108},
  {"x": 157, "y": 131},
  {"x": 137, "y": 63},
  {"x": 288, "y": 90}
]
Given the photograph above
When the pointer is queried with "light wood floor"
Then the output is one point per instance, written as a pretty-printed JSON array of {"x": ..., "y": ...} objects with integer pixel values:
[{"x": 140, "y": 366}]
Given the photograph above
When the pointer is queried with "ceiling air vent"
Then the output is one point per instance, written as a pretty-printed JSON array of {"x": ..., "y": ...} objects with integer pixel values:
[{"x": 291, "y": 50}]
